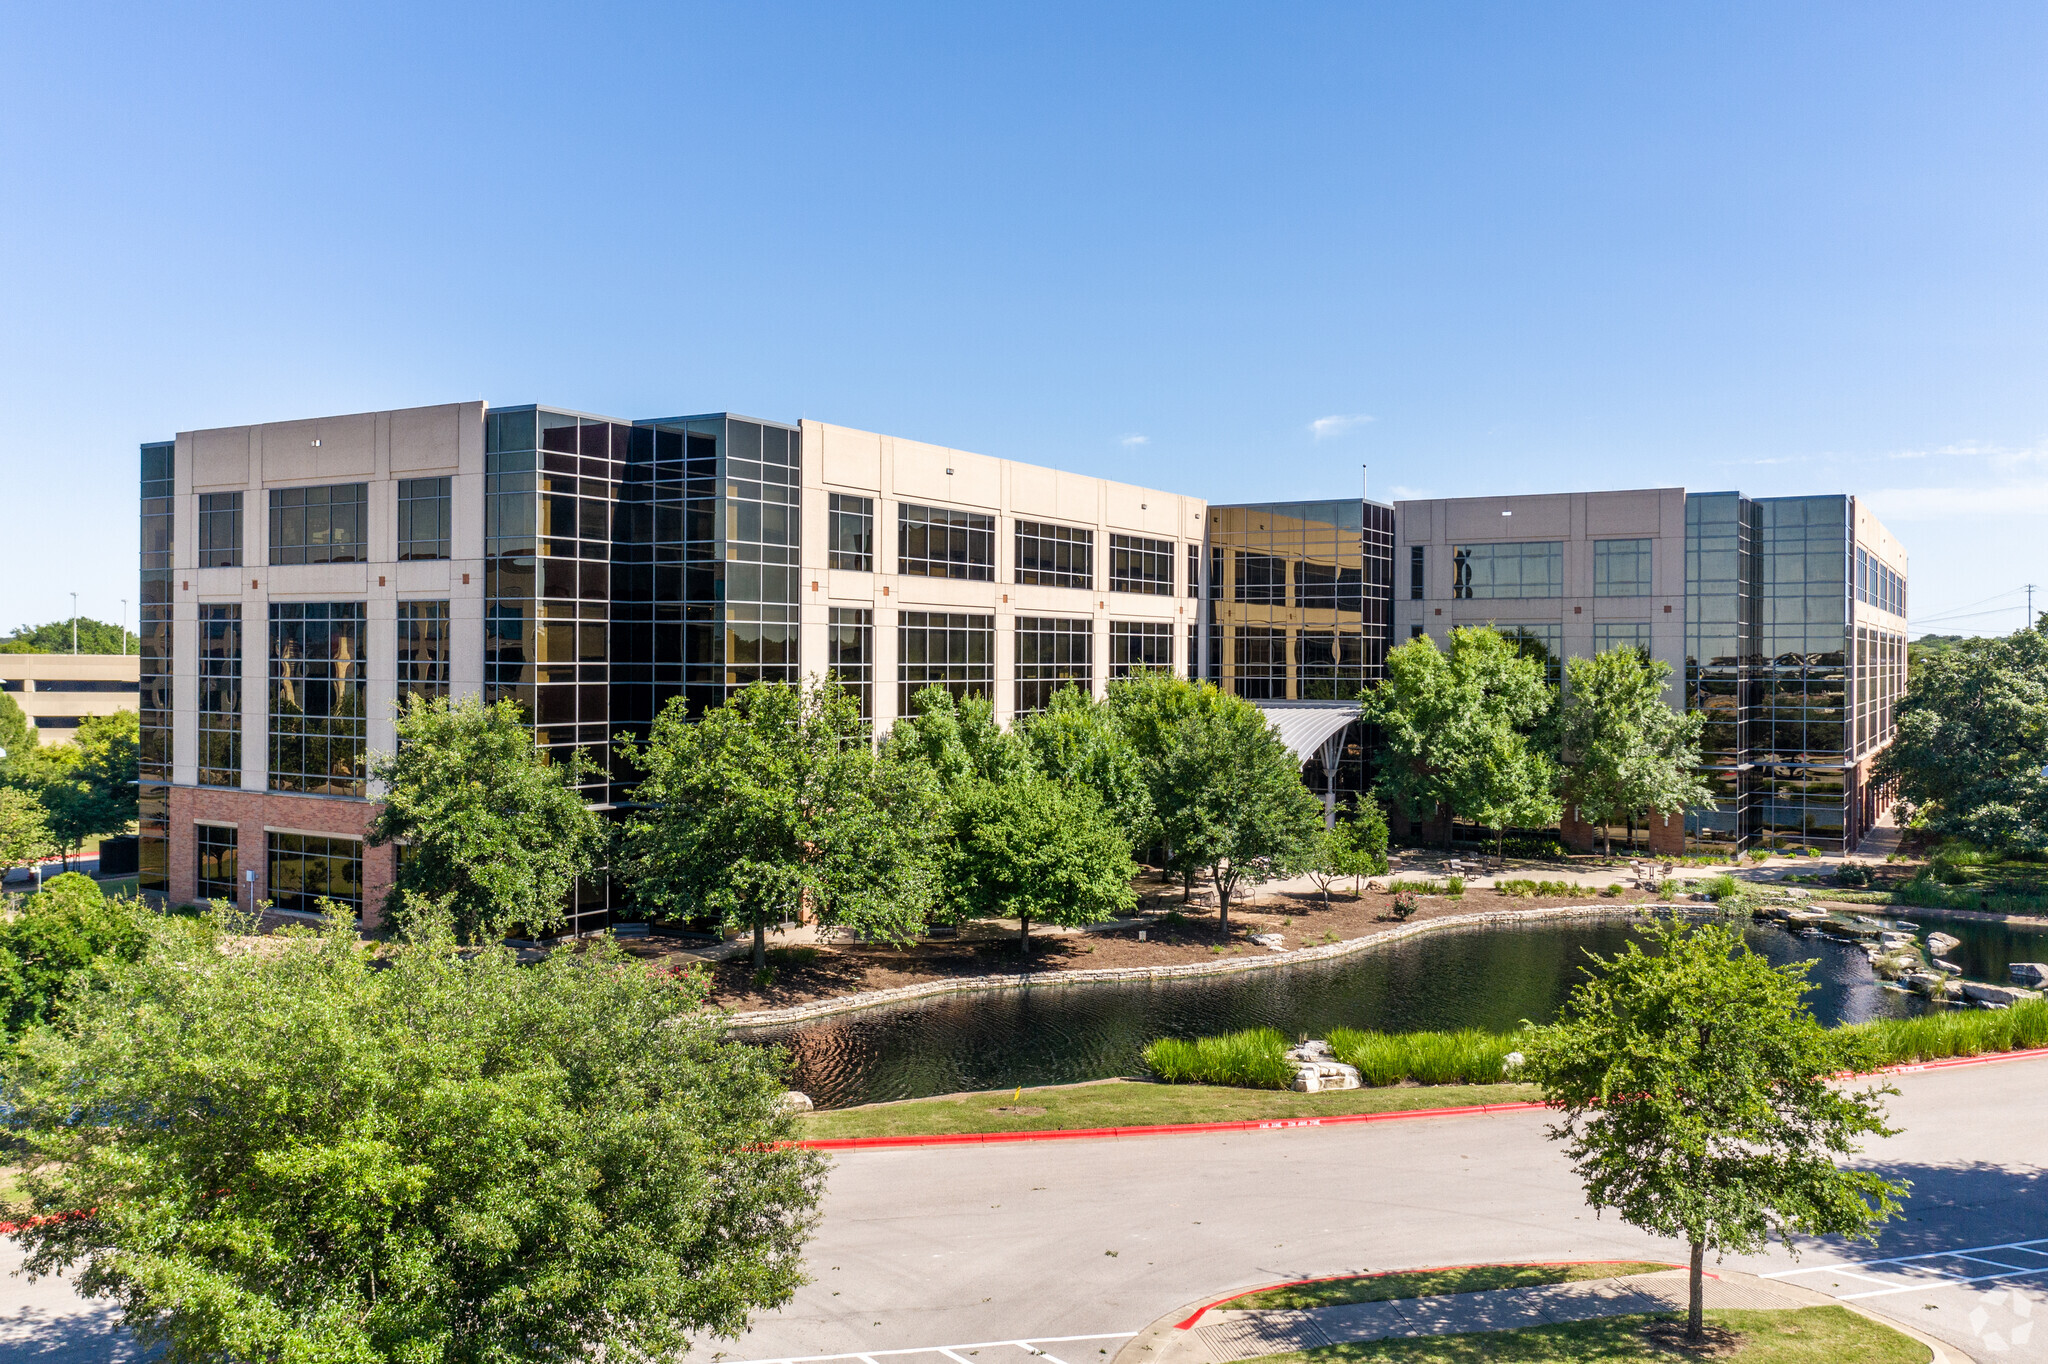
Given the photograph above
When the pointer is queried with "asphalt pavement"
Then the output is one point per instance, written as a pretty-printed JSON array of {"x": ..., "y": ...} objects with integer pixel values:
[{"x": 968, "y": 1255}]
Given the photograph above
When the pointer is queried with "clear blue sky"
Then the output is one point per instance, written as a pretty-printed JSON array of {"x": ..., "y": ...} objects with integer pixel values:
[{"x": 1234, "y": 251}]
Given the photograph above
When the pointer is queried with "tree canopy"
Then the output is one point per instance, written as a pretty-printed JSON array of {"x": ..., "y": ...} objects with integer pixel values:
[
  {"x": 1459, "y": 732},
  {"x": 1032, "y": 847},
  {"x": 94, "y": 637},
  {"x": 1973, "y": 739},
  {"x": 1698, "y": 1099},
  {"x": 49, "y": 948},
  {"x": 775, "y": 803},
  {"x": 454, "y": 1159},
  {"x": 17, "y": 735},
  {"x": 1081, "y": 741},
  {"x": 25, "y": 837},
  {"x": 1623, "y": 751},
  {"x": 1235, "y": 805},
  {"x": 492, "y": 831},
  {"x": 86, "y": 787}
]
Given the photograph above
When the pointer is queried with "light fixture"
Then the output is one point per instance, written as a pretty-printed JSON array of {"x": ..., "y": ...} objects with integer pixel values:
[
  {"x": 949, "y": 473},
  {"x": 1507, "y": 513}
]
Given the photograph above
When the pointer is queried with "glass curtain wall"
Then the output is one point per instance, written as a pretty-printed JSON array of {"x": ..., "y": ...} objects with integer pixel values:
[
  {"x": 1800, "y": 739},
  {"x": 153, "y": 759},
  {"x": 220, "y": 694},
  {"x": 1721, "y": 534}
]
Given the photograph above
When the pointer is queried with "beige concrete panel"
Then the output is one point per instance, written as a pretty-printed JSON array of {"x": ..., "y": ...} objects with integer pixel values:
[
  {"x": 220, "y": 458},
  {"x": 185, "y": 690},
  {"x": 1080, "y": 498},
  {"x": 383, "y": 512},
  {"x": 429, "y": 578},
  {"x": 1624, "y": 514},
  {"x": 945, "y": 594},
  {"x": 425, "y": 439},
  {"x": 920, "y": 475},
  {"x": 1029, "y": 599},
  {"x": 1035, "y": 494},
  {"x": 1139, "y": 510},
  {"x": 1412, "y": 522},
  {"x": 217, "y": 584},
  {"x": 849, "y": 458},
  {"x": 466, "y": 625},
  {"x": 1545, "y": 517},
  {"x": 847, "y": 588},
  {"x": 466, "y": 515},
  {"x": 315, "y": 582},
  {"x": 885, "y": 668}
]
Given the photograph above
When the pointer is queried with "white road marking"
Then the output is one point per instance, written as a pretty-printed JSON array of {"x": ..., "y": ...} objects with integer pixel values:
[
  {"x": 1899, "y": 1264},
  {"x": 1035, "y": 1345}
]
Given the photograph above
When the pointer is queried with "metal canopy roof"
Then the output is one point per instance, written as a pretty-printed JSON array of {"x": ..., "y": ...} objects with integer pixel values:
[{"x": 1305, "y": 726}]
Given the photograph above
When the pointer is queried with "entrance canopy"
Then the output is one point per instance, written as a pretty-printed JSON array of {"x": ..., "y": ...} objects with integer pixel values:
[{"x": 1305, "y": 726}]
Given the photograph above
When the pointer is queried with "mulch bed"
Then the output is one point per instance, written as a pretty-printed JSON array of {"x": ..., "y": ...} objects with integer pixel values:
[{"x": 801, "y": 975}]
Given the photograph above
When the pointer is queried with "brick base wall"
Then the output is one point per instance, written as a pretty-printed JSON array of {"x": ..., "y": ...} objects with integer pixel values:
[
  {"x": 253, "y": 813},
  {"x": 1665, "y": 834}
]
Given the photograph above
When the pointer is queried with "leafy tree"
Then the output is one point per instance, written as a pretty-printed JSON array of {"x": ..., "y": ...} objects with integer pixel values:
[
  {"x": 492, "y": 830},
  {"x": 1622, "y": 750},
  {"x": 1973, "y": 739},
  {"x": 1149, "y": 710},
  {"x": 775, "y": 803},
  {"x": 1458, "y": 730},
  {"x": 1358, "y": 843},
  {"x": 453, "y": 1159},
  {"x": 1079, "y": 740},
  {"x": 25, "y": 837},
  {"x": 49, "y": 948},
  {"x": 18, "y": 738},
  {"x": 1034, "y": 848},
  {"x": 957, "y": 739},
  {"x": 86, "y": 787},
  {"x": 94, "y": 637},
  {"x": 1238, "y": 807},
  {"x": 1698, "y": 1099}
]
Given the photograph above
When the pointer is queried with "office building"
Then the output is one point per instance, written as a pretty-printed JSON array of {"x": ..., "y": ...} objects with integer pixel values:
[
  {"x": 300, "y": 579},
  {"x": 1782, "y": 620}
]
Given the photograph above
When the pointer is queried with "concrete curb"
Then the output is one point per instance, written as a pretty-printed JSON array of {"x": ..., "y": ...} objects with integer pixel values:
[{"x": 904, "y": 994}]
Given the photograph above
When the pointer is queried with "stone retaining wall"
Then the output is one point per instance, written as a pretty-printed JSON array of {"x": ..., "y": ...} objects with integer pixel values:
[{"x": 805, "y": 1013}]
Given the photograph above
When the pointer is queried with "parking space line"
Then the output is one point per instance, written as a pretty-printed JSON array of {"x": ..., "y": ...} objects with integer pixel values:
[{"x": 1943, "y": 1282}]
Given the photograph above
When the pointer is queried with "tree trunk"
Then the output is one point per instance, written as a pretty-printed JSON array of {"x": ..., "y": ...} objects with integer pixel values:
[
  {"x": 1607, "y": 840},
  {"x": 1222, "y": 900},
  {"x": 760, "y": 943},
  {"x": 1500, "y": 843},
  {"x": 1024, "y": 934},
  {"x": 1695, "y": 1320},
  {"x": 1631, "y": 833},
  {"x": 1187, "y": 885}
]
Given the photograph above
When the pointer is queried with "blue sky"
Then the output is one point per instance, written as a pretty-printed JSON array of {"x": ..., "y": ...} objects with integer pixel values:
[{"x": 1232, "y": 251}]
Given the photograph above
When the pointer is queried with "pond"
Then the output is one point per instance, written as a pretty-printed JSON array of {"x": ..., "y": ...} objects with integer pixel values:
[{"x": 1490, "y": 978}]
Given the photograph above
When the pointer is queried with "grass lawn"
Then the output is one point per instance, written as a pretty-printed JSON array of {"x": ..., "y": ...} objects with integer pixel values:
[
  {"x": 1431, "y": 1282},
  {"x": 1134, "y": 1103},
  {"x": 1806, "y": 1335}
]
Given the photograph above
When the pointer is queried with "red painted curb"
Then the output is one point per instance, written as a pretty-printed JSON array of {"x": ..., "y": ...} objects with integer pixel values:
[
  {"x": 1427, "y": 1269},
  {"x": 1264, "y": 1124}
]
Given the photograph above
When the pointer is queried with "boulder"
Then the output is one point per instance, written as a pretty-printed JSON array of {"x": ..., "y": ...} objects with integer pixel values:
[
  {"x": 1316, "y": 1077},
  {"x": 1941, "y": 944},
  {"x": 796, "y": 1101},
  {"x": 1947, "y": 968},
  {"x": 1979, "y": 993},
  {"x": 2027, "y": 973},
  {"x": 1272, "y": 942},
  {"x": 1923, "y": 983}
]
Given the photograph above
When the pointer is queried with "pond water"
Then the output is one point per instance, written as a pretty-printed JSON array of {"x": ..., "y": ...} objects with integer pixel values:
[{"x": 1490, "y": 978}]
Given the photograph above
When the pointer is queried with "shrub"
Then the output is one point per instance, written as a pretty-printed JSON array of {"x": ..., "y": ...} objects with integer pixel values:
[
  {"x": 1612, "y": 890},
  {"x": 1253, "y": 1059},
  {"x": 1403, "y": 906},
  {"x": 1852, "y": 874},
  {"x": 1431, "y": 1058},
  {"x": 1417, "y": 887},
  {"x": 1759, "y": 854},
  {"x": 1525, "y": 888},
  {"x": 1454, "y": 887},
  {"x": 1720, "y": 887}
]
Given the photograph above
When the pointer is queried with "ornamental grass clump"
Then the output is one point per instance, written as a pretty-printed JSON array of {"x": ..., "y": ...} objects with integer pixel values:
[
  {"x": 1526, "y": 889},
  {"x": 1253, "y": 1059},
  {"x": 1468, "y": 1056},
  {"x": 1719, "y": 887},
  {"x": 1940, "y": 1035}
]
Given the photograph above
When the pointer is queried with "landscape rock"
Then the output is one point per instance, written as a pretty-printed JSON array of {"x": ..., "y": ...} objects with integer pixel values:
[
  {"x": 1272, "y": 942},
  {"x": 1941, "y": 944},
  {"x": 1923, "y": 983},
  {"x": 796, "y": 1101},
  {"x": 1947, "y": 967},
  {"x": 1979, "y": 993},
  {"x": 2027, "y": 973},
  {"x": 1317, "y": 1077}
]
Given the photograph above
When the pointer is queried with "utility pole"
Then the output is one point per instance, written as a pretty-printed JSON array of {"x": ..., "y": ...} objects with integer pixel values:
[
  {"x": 74, "y": 622},
  {"x": 2030, "y": 607}
]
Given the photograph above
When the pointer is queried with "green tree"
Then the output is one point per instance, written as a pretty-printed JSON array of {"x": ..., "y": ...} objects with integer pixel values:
[
  {"x": 452, "y": 1159},
  {"x": 1149, "y": 710},
  {"x": 1458, "y": 728},
  {"x": 17, "y": 736},
  {"x": 1034, "y": 848},
  {"x": 957, "y": 739},
  {"x": 1622, "y": 749},
  {"x": 776, "y": 803},
  {"x": 49, "y": 949},
  {"x": 1699, "y": 1103},
  {"x": 86, "y": 787},
  {"x": 1238, "y": 807},
  {"x": 491, "y": 829},
  {"x": 1079, "y": 741},
  {"x": 25, "y": 837},
  {"x": 1358, "y": 844},
  {"x": 94, "y": 637},
  {"x": 1973, "y": 739}
]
